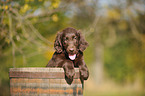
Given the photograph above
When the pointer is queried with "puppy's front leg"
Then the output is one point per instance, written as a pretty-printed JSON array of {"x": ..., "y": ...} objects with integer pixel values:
[
  {"x": 84, "y": 73},
  {"x": 69, "y": 69}
]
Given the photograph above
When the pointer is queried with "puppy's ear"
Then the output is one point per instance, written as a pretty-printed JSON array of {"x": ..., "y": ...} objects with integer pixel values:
[
  {"x": 58, "y": 43},
  {"x": 83, "y": 44}
]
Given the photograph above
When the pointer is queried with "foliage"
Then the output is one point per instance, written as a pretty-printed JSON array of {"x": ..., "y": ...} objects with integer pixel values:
[
  {"x": 27, "y": 32},
  {"x": 28, "y": 29}
]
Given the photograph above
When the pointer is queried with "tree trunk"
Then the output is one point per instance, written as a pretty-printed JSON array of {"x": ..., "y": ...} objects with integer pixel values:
[{"x": 98, "y": 65}]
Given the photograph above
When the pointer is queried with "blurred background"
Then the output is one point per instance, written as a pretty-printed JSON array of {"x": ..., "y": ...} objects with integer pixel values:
[{"x": 115, "y": 30}]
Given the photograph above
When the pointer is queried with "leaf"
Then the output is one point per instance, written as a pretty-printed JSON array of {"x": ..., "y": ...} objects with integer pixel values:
[
  {"x": 26, "y": 1},
  {"x": 113, "y": 14},
  {"x": 55, "y": 17},
  {"x": 7, "y": 40},
  {"x": 56, "y": 3},
  {"x": 40, "y": 0},
  {"x": 6, "y": 7},
  {"x": 25, "y": 8}
]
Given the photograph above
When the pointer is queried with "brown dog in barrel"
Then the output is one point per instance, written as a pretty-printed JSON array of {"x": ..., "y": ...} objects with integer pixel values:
[{"x": 69, "y": 45}]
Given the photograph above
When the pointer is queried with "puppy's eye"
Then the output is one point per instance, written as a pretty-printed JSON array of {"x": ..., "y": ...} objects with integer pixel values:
[
  {"x": 66, "y": 39},
  {"x": 74, "y": 37}
]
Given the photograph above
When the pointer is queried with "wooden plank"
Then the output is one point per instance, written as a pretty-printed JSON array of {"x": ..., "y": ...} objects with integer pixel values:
[
  {"x": 47, "y": 91},
  {"x": 44, "y": 82},
  {"x": 39, "y": 73},
  {"x": 36, "y": 69}
]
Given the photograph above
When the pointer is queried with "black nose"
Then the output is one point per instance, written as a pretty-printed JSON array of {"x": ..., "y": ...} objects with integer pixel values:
[{"x": 71, "y": 49}]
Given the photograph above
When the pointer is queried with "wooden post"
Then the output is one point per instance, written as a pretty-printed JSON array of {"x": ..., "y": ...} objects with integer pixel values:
[{"x": 43, "y": 81}]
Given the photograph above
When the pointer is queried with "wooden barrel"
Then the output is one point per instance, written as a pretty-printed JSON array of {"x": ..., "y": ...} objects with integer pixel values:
[{"x": 43, "y": 82}]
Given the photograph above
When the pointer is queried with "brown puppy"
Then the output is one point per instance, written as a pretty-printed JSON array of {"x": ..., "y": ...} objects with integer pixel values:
[{"x": 69, "y": 46}]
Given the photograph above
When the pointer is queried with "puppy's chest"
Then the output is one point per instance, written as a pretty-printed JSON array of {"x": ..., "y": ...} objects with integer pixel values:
[{"x": 75, "y": 64}]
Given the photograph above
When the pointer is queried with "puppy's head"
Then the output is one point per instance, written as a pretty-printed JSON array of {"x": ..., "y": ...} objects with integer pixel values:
[{"x": 71, "y": 41}]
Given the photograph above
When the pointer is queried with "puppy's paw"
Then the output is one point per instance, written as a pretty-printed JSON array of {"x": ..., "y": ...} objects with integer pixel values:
[
  {"x": 84, "y": 75},
  {"x": 70, "y": 73}
]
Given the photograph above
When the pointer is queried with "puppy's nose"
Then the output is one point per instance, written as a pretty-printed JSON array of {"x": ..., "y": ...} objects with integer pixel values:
[{"x": 71, "y": 49}]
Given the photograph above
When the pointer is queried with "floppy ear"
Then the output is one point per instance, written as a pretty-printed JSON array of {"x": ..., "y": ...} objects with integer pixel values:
[
  {"x": 83, "y": 44},
  {"x": 57, "y": 43}
]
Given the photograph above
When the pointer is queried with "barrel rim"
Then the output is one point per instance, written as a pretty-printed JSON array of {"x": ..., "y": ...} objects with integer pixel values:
[
  {"x": 35, "y": 72},
  {"x": 39, "y": 69}
]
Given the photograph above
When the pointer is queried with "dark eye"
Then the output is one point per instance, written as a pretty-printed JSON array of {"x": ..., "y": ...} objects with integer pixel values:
[
  {"x": 74, "y": 37},
  {"x": 66, "y": 38}
]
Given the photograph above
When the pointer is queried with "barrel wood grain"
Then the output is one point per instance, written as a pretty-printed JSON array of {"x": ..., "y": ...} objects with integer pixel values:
[{"x": 43, "y": 82}]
